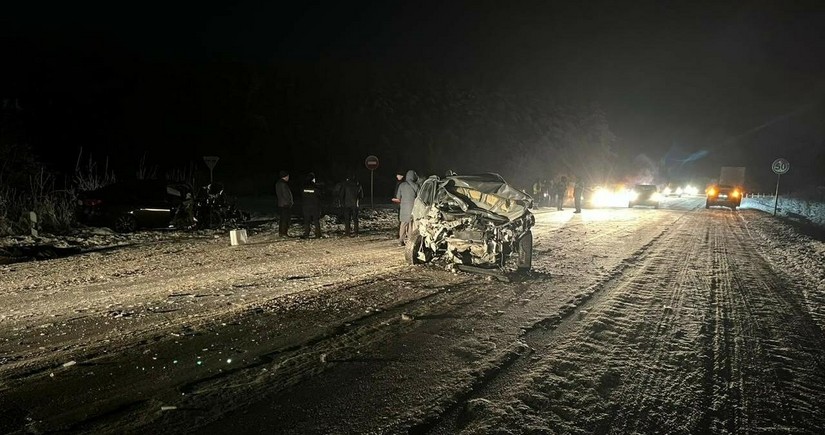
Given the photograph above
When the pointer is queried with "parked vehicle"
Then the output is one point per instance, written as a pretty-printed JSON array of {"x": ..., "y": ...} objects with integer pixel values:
[{"x": 473, "y": 221}]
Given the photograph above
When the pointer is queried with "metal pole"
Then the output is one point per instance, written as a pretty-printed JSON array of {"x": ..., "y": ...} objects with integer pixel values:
[
  {"x": 372, "y": 200},
  {"x": 776, "y": 195},
  {"x": 210, "y": 175}
]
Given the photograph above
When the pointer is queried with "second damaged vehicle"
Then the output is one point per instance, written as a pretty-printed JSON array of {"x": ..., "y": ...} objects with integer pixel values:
[{"x": 475, "y": 222}]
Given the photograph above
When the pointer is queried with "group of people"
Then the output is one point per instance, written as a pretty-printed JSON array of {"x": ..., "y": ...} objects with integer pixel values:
[
  {"x": 347, "y": 194},
  {"x": 553, "y": 193}
]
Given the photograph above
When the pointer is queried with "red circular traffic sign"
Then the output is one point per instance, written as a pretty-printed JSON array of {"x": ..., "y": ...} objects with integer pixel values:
[{"x": 371, "y": 162}]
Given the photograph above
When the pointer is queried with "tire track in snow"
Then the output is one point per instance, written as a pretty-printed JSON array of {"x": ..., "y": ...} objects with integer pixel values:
[
  {"x": 722, "y": 344},
  {"x": 539, "y": 338},
  {"x": 768, "y": 358}
]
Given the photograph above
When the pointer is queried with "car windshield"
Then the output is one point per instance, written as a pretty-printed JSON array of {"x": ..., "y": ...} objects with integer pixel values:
[{"x": 645, "y": 187}]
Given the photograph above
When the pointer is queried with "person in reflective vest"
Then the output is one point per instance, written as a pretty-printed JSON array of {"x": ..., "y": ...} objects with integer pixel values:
[{"x": 311, "y": 206}]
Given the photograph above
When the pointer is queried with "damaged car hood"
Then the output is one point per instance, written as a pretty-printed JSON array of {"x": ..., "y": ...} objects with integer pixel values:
[{"x": 486, "y": 194}]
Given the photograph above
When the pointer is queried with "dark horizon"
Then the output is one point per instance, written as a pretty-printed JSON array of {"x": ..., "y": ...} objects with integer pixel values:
[{"x": 685, "y": 87}]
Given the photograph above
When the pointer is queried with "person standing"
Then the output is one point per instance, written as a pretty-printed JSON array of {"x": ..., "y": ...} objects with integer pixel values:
[
  {"x": 399, "y": 179},
  {"x": 561, "y": 192},
  {"x": 537, "y": 189},
  {"x": 578, "y": 192},
  {"x": 407, "y": 192},
  {"x": 350, "y": 193},
  {"x": 285, "y": 203},
  {"x": 311, "y": 206}
]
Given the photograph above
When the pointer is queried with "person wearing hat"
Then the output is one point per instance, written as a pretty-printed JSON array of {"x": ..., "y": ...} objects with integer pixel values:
[
  {"x": 285, "y": 203},
  {"x": 311, "y": 206}
]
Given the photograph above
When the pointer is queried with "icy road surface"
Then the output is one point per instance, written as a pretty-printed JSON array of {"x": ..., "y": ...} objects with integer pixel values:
[{"x": 677, "y": 320}]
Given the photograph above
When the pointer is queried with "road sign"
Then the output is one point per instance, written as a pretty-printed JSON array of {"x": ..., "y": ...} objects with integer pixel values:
[
  {"x": 210, "y": 161},
  {"x": 780, "y": 166},
  {"x": 371, "y": 163}
]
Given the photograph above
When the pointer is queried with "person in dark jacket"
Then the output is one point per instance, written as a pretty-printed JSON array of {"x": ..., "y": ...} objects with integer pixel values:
[
  {"x": 285, "y": 203},
  {"x": 578, "y": 193},
  {"x": 311, "y": 206},
  {"x": 407, "y": 192},
  {"x": 561, "y": 193},
  {"x": 349, "y": 194}
]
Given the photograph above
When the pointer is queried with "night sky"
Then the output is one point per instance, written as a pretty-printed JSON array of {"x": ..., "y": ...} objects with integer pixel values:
[{"x": 686, "y": 86}]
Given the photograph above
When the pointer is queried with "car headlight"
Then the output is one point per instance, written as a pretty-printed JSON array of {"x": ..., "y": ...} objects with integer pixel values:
[
  {"x": 655, "y": 196},
  {"x": 711, "y": 191},
  {"x": 666, "y": 191},
  {"x": 679, "y": 191},
  {"x": 633, "y": 195},
  {"x": 735, "y": 194}
]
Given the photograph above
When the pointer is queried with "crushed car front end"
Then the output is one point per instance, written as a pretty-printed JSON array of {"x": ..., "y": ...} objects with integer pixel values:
[{"x": 476, "y": 220}]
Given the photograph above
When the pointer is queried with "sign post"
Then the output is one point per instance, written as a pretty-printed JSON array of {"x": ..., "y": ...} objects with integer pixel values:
[
  {"x": 210, "y": 161},
  {"x": 779, "y": 167},
  {"x": 372, "y": 164}
]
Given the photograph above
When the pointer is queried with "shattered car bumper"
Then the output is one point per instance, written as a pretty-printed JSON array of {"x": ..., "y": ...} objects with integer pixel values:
[{"x": 476, "y": 220}]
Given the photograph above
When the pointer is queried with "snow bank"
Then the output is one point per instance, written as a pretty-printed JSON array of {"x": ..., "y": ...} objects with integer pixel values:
[{"x": 807, "y": 210}]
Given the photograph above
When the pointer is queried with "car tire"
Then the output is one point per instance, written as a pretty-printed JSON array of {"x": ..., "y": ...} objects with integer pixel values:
[
  {"x": 413, "y": 247},
  {"x": 656, "y": 206},
  {"x": 126, "y": 223},
  {"x": 733, "y": 208},
  {"x": 707, "y": 205},
  {"x": 525, "y": 251},
  {"x": 215, "y": 219},
  {"x": 629, "y": 205}
]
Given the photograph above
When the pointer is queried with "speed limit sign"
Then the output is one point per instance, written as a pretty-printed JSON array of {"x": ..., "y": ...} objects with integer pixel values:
[{"x": 780, "y": 166}]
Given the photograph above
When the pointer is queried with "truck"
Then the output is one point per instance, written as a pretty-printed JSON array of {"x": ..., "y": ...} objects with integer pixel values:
[
  {"x": 729, "y": 190},
  {"x": 732, "y": 176}
]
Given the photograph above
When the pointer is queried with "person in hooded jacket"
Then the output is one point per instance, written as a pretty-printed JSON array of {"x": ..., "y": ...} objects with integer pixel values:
[
  {"x": 311, "y": 206},
  {"x": 407, "y": 191},
  {"x": 285, "y": 203},
  {"x": 349, "y": 193}
]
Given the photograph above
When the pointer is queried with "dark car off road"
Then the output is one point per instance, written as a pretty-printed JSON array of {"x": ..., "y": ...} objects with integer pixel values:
[{"x": 130, "y": 205}]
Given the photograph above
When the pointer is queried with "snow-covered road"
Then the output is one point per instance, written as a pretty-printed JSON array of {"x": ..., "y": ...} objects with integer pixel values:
[{"x": 677, "y": 320}]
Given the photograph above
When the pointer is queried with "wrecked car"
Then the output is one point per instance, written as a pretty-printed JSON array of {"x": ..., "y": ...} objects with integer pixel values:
[{"x": 472, "y": 222}]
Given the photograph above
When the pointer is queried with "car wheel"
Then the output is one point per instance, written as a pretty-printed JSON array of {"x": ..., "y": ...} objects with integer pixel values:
[
  {"x": 215, "y": 219},
  {"x": 656, "y": 206},
  {"x": 629, "y": 205},
  {"x": 525, "y": 251},
  {"x": 733, "y": 207},
  {"x": 126, "y": 223},
  {"x": 414, "y": 247},
  {"x": 707, "y": 205}
]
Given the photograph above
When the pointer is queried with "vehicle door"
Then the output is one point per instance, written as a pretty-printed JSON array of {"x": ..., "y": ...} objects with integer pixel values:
[{"x": 154, "y": 210}]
